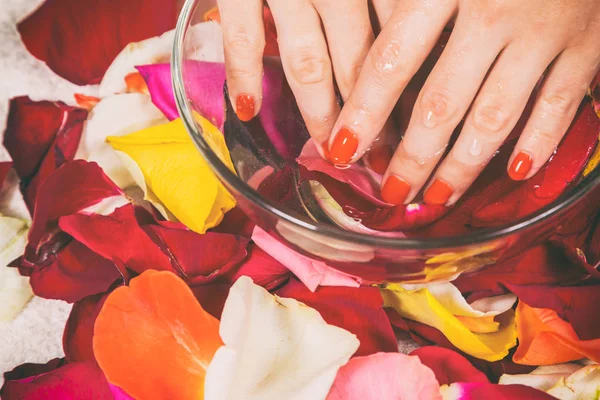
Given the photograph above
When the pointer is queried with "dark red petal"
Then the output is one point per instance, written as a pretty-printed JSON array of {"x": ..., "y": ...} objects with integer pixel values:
[
  {"x": 235, "y": 222},
  {"x": 577, "y": 305},
  {"x": 264, "y": 270},
  {"x": 41, "y": 136},
  {"x": 543, "y": 264},
  {"x": 80, "y": 39},
  {"x": 75, "y": 273},
  {"x": 71, "y": 188},
  {"x": 448, "y": 365},
  {"x": 79, "y": 330},
  {"x": 29, "y": 369},
  {"x": 358, "y": 310},
  {"x": 117, "y": 237},
  {"x": 76, "y": 381},
  {"x": 5, "y": 167},
  {"x": 200, "y": 259},
  {"x": 484, "y": 391},
  {"x": 551, "y": 181},
  {"x": 212, "y": 297}
]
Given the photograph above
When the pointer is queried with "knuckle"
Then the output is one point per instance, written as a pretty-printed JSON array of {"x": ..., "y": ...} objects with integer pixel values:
[
  {"x": 436, "y": 105},
  {"x": 240, "y": 42},
  {"x": 557, "y": 105},
  {"x": 307, "y": 68},
  {"x": 490, "y": 119},
  {"x": 386, "y": 57}
]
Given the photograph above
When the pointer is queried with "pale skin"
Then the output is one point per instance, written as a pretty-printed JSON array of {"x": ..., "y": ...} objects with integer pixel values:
[{"x": 498, "y": 51}]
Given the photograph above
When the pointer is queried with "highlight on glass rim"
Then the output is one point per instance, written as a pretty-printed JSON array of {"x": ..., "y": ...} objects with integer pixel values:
[{"x": 309, "y": 199}]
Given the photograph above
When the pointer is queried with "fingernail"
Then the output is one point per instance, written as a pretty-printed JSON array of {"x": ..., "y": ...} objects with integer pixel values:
[
  {"x": 520, "y": 166},
  {"x": 344, "y": 147},
  {"x": 244, "y": 107},
  {"x": 380, "y": 158},
  {"x": 395, "y": 190},
  {"x": 438, "y": 193}
]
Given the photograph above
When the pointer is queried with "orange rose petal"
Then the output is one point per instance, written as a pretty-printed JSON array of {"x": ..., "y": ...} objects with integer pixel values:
[
  {"x": 136, "y": 84},
  {"x": 545, "y": 339},
  {"x": 212, "y": 15},
  {"x": 87, "y": 102},
  {"x": 154, "y": 340}
]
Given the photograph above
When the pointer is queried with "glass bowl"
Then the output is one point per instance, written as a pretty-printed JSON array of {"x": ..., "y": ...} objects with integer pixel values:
[{"x": 374, "y": 259}]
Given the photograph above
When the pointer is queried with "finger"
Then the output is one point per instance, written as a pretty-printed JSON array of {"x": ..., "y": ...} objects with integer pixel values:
[
  {"x": 556, "y": 105},
  {"x": 243, "y": 43},
  {"x": 492, "y": 117},
  {"x": 384, "y": 10},
  {"x": 306, "y": 64},
  {"x": 440, "y": 106},
  {"x": 349, "y": 35},
  {"x": 396, "y": 55}
]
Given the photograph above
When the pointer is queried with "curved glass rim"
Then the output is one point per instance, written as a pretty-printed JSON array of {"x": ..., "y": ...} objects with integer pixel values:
[{"x": 223, "y": 172}]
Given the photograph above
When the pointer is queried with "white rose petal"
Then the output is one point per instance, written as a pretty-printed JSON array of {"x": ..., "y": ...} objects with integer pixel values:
[{"x": 275, "y": 348}]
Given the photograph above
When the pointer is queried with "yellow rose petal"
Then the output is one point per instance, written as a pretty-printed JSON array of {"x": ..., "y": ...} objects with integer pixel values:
[
  {"x": 421, "y": 306},
  {"x": 175, "y": 173}
]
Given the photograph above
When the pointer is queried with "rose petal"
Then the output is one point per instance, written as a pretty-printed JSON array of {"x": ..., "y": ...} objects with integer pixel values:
[
  {"x": 274, "y": 348},
  {"x": 312, "y": 273},
  {"x": 119, "y": 394},
  {"x": 79, "y": 40},
  {"x": 478, "y": 390},
  {"x": 79, "y": 330},
  {"x": 176, "y": 173},
  {"x": 263, "y": 269},
  {"x": 41, "y": 136},
  {"x": 448, "y": 365},
  {"x": 29, "y": 370},
  {"x": 357, "y": 310},
  {"x": 5, "y": 167},
  {"x": 169, "y": 356},
  {"x": 74, "y": 273},
  {"x": 582, "y": 384},
  {"x": 420, "y": 305},
  {"x": 76, "y": 381},
  {"x": 542, "y": 378},
  {"x": 116, "y": 115},
  {"x": 577, "y": 305},
  {"x": 15, "y": 291},
  {"x": 546, "y": 339},
  {"x": 384, "y": 376},
  {"x": 204, "y": 41}
]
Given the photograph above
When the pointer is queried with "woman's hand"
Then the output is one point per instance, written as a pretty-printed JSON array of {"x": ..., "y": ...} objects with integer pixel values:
[
  {"x": 323, "y": 45},
  {"x": 496, "y": 55}
]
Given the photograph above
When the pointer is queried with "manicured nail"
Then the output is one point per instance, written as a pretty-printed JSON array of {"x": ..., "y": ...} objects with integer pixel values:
[
  {"x": 244, "y": 107},
  {"x": 520, "y": 166},
  {"x": 380, "y": 158},
  {"x": 438, "y": 193},
  {"x": 395, "y": 190},
  {"x": 344, "y": 147}
]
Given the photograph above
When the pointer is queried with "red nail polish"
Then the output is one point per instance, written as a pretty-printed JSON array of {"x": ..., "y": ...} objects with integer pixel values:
[
  {"x": 520, "y": 166},
  {"x": 395, "y": 190},
  {"x": 380, "y": 158},
  {"x": 244, "y": 107},
  {"x": 438, "y": 193},
  {"x": 344, "y": 147}
]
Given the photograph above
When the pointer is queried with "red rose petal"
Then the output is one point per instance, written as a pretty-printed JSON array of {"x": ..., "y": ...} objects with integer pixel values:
[
  {"x": 117, "y": 237},
  {"x": 448, "y": 365},
  {"x": 358, "y": 310},
  {"x": 577, "y": 305},
  {"x": 76, "y": 381},
  {"x": 41, "y": 136},
  {"x": 5, "y": 167},
  {"x": 480, "y": 391},
  {"x": 80, "y": 39},
  {"x": 71, "y": 188},
  {"x": 29, "y": 369},
  {"x": 264, "y": 270},
  {"x": 75, "y": 273},
  {"x": 79, "y": 330}
]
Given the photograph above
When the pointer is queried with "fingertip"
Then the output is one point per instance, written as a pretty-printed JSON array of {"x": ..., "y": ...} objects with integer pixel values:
[
  {"x": 245, "y": 107},
  {"x": 520, "y": 166}
]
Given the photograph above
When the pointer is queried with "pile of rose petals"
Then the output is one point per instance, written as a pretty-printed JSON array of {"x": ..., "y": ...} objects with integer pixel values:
[{"x": 177, "y": 295}]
